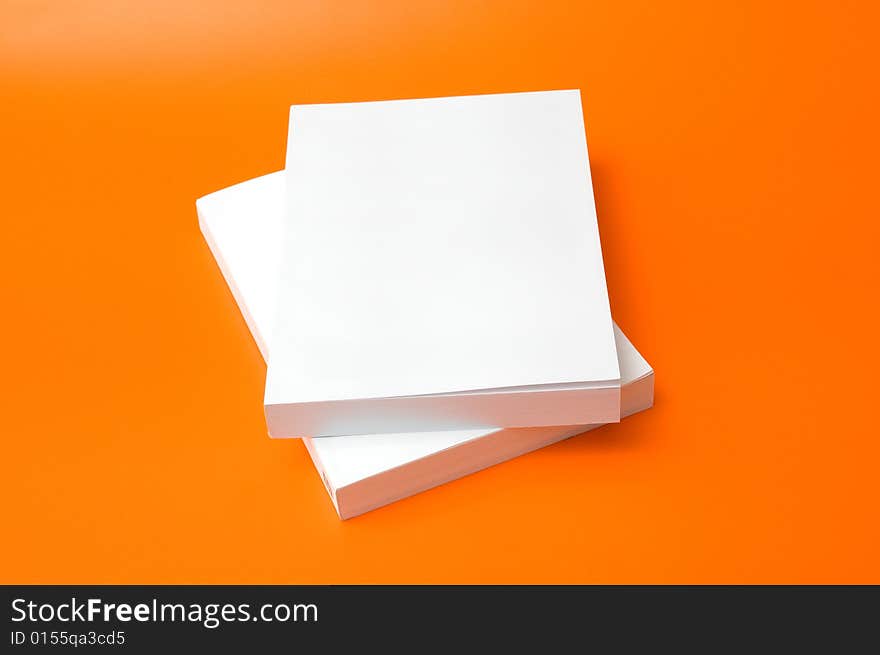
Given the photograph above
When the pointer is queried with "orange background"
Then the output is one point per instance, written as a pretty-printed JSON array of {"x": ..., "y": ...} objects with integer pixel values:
[{"x": 735, "y": 148}]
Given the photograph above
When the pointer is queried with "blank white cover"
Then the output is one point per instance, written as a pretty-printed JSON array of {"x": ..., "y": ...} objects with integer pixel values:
[
  {"x": 242, "y": 225},
  {"x": 428, "y": 241}
]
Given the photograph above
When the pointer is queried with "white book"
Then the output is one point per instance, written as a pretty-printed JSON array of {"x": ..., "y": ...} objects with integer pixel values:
[
  {"x": 426, "y": 243},
  {"x": 242, "y": 225}
]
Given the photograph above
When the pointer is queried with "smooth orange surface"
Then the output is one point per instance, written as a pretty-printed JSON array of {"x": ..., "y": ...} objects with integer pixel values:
[{"x": 735, "y": 151}]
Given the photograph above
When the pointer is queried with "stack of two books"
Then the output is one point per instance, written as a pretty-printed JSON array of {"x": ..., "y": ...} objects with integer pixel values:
[{"x": 425, "y": 281}]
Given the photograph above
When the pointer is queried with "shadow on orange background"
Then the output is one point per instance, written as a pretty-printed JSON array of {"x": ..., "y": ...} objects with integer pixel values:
[{"x": 735, "y": 153}]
